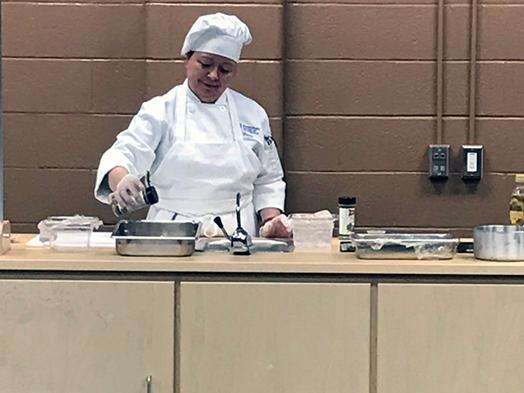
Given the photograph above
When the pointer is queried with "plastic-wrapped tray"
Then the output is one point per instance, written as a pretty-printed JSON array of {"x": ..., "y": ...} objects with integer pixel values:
[
  {"x": 405, "y": 245},
  {"x": 156, "y": 238}
]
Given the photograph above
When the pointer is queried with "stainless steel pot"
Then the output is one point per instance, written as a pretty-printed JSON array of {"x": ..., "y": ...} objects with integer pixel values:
[{"x": 499, "y": 242}]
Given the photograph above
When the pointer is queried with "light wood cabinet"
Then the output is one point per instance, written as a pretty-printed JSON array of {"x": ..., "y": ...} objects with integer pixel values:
[
  {"x": 274, "y": 337},
  {"x": 382, "y": 334},
  {"x": 86, "y": 336},
  {"x": 453, "y": 338}
]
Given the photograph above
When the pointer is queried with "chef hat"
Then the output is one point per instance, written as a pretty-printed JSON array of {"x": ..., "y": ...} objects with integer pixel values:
[{"x": 219, "y": 34}]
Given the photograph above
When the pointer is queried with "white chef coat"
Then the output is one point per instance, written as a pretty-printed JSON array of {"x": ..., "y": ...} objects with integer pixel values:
[{"x": 200, "y": 155}]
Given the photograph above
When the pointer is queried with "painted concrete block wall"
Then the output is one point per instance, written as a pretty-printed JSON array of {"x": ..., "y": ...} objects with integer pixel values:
[
  {"x": 365, "y": 129},
  {"x": 75, "y": 73},
  {"x": 349, "y": 87}
]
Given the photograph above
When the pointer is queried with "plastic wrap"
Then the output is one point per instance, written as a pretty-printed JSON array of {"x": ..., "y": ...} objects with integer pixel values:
[
  {"x": 53, "y": 227},
  {"x": 405, "y": 245}
]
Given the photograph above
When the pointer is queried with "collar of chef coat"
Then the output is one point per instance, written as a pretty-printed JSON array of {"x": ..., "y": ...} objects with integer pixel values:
[{"x": 222, "y": 100}]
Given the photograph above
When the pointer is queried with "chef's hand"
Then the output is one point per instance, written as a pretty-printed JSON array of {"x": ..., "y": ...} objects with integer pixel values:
[
  {"x": 128, "y": 192},
  {"x": 278, "y": 226}
]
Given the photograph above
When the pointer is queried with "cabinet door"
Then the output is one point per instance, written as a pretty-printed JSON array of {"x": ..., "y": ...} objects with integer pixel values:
[
  {"x": 86, "y": 336},
  {"x": 450, "y": 338},
  {"x": 274, "y": 337}
]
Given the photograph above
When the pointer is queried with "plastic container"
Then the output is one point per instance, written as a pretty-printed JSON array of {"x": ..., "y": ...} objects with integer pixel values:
[
  {"x": 66, "y": 226},
  {"x": 312, "y": 230},
  {"x": 516, "y": 204},
  {"x": 71, "y": 237}
]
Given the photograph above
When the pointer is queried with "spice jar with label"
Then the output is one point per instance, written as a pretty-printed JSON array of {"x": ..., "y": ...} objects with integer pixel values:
[
  {"x": 346, "y": 222},
  {"x": 516, "y": 204}
]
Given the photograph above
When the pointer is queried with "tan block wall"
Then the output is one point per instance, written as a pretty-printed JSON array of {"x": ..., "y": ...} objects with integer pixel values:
[
  {"x": 360, "y": 109},
  {"x": 349, "y": 87},
  {"x": 75, "y": 73}
]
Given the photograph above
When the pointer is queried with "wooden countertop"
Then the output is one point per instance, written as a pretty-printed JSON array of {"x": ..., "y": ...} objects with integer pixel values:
[{"x": 22, "y": 258}]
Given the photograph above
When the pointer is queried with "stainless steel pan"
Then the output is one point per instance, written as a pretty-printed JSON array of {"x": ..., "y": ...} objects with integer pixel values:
[{"x": 156, "y": 238}]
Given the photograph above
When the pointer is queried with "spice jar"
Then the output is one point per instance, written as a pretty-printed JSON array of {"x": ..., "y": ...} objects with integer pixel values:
[
  {"x": 346, "y": 222},
  {"x": 516, "y": 204}
]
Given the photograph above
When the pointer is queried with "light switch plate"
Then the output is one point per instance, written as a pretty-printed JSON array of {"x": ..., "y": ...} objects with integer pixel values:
[{"x": 472, "y": 162}]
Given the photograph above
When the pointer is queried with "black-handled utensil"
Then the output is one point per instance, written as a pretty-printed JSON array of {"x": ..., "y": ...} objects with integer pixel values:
[
  {"x": 217, "y": 220},
  {"x": 239, "y": 225},
  {"x": 240, "y": 239}
]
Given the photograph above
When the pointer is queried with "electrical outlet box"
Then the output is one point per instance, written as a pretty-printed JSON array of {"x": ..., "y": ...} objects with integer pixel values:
[
  {"x": 438, "y": 161},
  {"x": 472, "y": 162}
]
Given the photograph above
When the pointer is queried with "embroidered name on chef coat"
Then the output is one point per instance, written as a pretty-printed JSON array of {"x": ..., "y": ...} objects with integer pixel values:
[{"x": 249, "y": 130}]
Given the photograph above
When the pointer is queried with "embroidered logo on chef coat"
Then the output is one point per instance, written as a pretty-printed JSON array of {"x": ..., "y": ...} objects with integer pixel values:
[{"x": 249, "y": 130}]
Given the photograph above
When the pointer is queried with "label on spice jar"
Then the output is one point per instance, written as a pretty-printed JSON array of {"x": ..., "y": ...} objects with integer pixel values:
[{"x": 346, "y": 220}]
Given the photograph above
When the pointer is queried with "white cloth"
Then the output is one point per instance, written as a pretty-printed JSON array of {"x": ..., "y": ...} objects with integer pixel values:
[
  {"x": 200, "y": 155},
  {"x": 221, "y": 34}
]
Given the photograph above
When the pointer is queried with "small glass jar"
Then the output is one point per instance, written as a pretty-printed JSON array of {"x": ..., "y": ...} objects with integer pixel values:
[{"x": 346, "y": 222}]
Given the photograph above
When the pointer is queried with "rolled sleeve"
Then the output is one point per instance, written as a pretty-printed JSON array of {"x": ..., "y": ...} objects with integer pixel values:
[{"x": 134, "y": 149}]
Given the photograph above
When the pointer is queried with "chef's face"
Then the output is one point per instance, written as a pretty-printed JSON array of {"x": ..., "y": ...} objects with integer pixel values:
[{"x": 209, "y": 75}]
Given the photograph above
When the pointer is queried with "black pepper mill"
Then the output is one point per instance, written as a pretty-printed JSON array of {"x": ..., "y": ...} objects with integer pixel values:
[{"x": 149, "y": 197}]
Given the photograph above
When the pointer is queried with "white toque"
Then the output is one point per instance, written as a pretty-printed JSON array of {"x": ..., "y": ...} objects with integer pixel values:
[{"x": 220, "y": 34}]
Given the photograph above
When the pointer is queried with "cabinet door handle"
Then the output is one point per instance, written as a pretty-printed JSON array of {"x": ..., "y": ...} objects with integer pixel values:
[{"x": 148, "y": 384}]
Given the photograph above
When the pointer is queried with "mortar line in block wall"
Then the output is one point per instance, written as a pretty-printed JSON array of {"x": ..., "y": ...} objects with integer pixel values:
[
  {"x": 452, "y": 61},
  {"x": 1, "y": 127},
  {"x": 140, "y": 3},
  {"x": 401, "y": 116},
  {"x": 290, "y": 116},
  {"x": 440, "y": 71},
  {"x": 145, "y": 41},
  {"x": 147, "y": 59},
  {"x": 284, "y": 67},
  {"x": 472, "y": 99},
  {"x": 86, "y": 114},
  {"x": 384, "y": 173},
  {"x": 397, "y": 117},
  {"x": 266, "y": 61}
]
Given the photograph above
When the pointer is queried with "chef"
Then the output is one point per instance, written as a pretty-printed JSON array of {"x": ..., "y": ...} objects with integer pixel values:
[{"x": 202, "y": 142}]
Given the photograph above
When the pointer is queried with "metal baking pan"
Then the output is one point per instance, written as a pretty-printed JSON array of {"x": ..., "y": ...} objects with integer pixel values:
[
  {"x": 155, "y": 238},
  {"x": 405, "y": 245}
]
